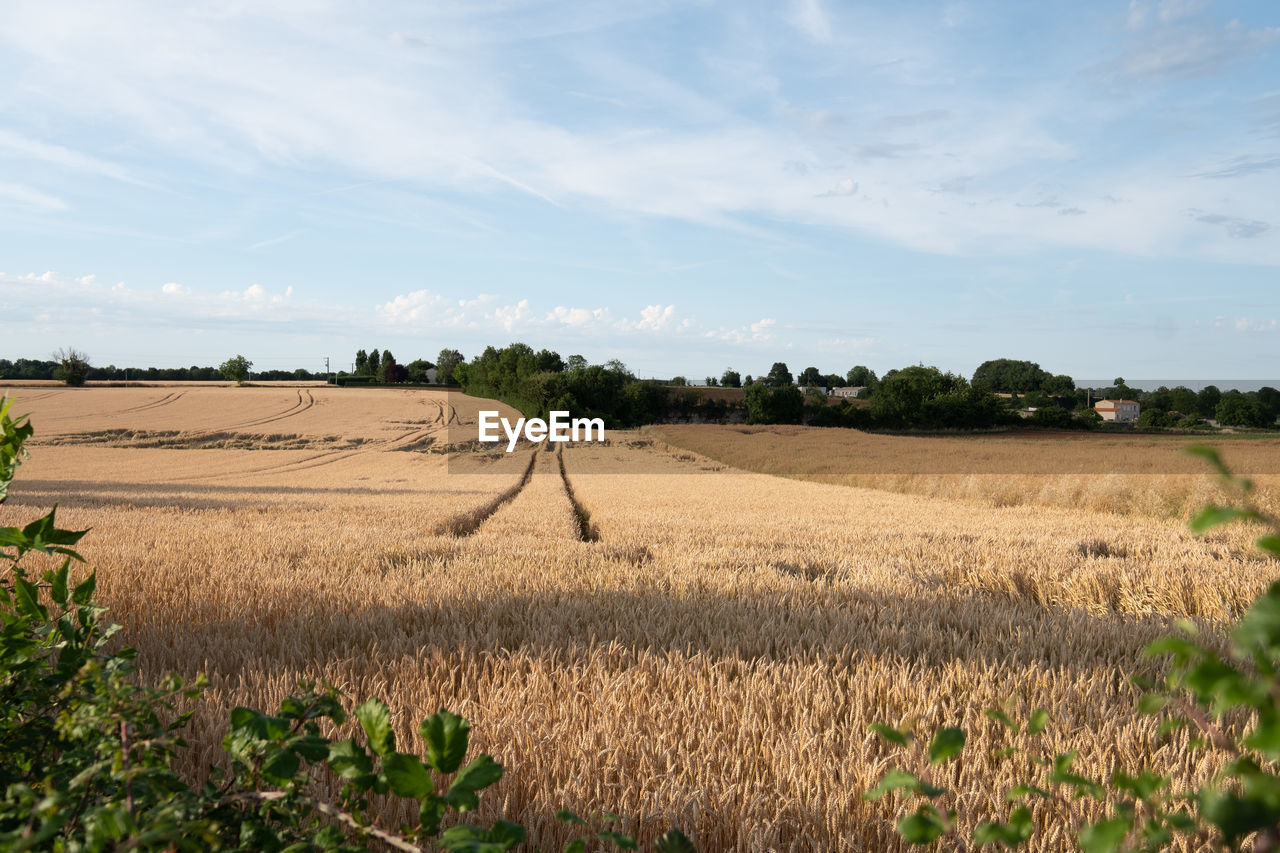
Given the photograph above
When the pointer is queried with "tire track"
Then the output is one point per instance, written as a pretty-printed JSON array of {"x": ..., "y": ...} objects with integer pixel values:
[
  {"x": 587, "y": 532},
  {"x": 305, "y": 401},
  {"x": 155, "y": 404},
  {"x": 469, "y": 522}
]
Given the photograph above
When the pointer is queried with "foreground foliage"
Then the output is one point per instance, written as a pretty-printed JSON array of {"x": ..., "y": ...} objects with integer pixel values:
[
  {"x": 87, "y": 751},
  {"x": 1224, "y": 702}
]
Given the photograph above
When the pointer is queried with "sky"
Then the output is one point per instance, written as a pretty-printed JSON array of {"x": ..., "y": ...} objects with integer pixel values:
[{"x": 1094, "y": 186}]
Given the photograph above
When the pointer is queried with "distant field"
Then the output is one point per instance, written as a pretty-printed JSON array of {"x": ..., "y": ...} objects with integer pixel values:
[
  {"x": 1106, "y": 472},
  {"x": 632, "y": 626}
]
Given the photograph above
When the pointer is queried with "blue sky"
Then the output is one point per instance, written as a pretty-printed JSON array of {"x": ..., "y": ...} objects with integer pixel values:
[{"x": 685, "y": 186}]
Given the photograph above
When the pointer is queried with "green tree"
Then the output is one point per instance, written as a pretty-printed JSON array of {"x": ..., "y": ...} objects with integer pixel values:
[
  {"x": 362, "y": 363},
  {"x": 1207, "y": 401},
  {"x": 679, "y": 381},
  {"x": 375, "y": 362},
  {"x": 731, "y": 379},
  {"x": 861, "y": 376},
  {"x": 774, "y": 405},
  {"x": 810, "y": 376},
  {"x": 446, "y": 362},
  {"x": 1236, "y": 409},
  {"x": 236, "y": 368},
  {"x": 576, "y": 362},
  {"x": 1010, "y": 376},
  {"x": 549, "y": 361},
  {"x": 74, "y": 365},
  {"x": 416, "y": 370},
  {"x": 779, "y": 375}
]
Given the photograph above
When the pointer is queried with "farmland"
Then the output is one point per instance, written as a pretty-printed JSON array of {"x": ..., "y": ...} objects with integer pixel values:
[{"x": 639, "y": 626}]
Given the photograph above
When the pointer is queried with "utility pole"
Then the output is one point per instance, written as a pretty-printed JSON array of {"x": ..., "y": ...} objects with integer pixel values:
[{"x": 327, "y": 377}]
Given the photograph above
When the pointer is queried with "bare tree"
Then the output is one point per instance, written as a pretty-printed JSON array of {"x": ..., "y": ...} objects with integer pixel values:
[{"x": 75, "y": 365}]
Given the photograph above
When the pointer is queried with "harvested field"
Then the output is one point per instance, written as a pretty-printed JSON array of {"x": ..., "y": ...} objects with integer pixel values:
[
  {"x": 1105, "y": 472},
  {"x": 630, "y": 626}
]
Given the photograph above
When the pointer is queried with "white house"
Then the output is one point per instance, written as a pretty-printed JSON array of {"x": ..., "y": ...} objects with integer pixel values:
[
  {"x": 848, "y": 391},
  {"x": 1120, "y": 411}
]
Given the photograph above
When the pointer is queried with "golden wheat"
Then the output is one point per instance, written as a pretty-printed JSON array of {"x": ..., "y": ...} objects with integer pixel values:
[
  {"x": 710, "y": 658},
  {"x": 1124, "y": 474}
]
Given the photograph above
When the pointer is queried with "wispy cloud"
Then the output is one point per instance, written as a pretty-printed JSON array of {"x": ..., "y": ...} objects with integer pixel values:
[
  {"x": 31, "y": 197},
  {"x": 810, "y": 18}
]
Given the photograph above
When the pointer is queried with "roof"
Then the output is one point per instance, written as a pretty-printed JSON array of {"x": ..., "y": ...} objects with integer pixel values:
[{"x": 1114, "y": 404}]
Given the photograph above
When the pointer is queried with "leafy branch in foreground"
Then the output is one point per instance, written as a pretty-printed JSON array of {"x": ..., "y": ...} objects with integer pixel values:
[
  {"x": 1226, "y": 703},
  {"x": 86, "y": 751}
]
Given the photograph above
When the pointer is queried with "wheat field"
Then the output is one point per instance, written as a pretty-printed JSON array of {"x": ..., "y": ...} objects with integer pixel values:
[
  {"x": 1142, "y": 474},
  {"x": 629, "y": 626}
]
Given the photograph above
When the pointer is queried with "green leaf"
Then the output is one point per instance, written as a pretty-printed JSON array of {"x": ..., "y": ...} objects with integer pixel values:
[
  {"x": 375, "y": 718},
  {"x": 1002, "y": 718},
  {"x": 58, "y": 583},
  {"x": 947, "y": 744},
  {"x": 446, "y": 735},
  {"x": 476, "y": 776},
  {"x": 1152, "y": 703},
  {"x": 349, "y": 759},
  {"x": 432, "y": 813},
  {"x": 576, "y": 846},
  {"x": 1143, "y": 786},
  {"x": 566, "y": 816},
  {"x": 1017, "y": 830},
  {"x": 503, "y": 835},
  {"x": 674, "y": 841},
  {"x": 1019, "y": 791},
  {"x": 280, "y": 767},
  {"x": 1211, "y": 516},
  {"x": 407, "y": 776},
  {"x": 83, "y": 593},
  {"x": 620, "y": 840},
  {"x": 1270, "y": 544},
  {"x": 29, "y": 599},
  {"x": 1105, "y": 836},
  {"x": 311, "y": 747},
  {"x": 893, "y": 780},
  {"x": 922, "y": 827},
  {"x": 1038, "y": 721},
  {"x": 889, "y": 733}
]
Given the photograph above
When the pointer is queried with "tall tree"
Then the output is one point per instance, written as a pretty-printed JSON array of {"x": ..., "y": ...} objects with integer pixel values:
[
  {"x": 861, "y": 376},
  {"x": 576, "y": 362},
  {"x": 779, "y": 375},
  {"x": 362, "y": 363},
  {"x": 446, "y": 362},
  {"x": 810, "y": 376},
  {"x": 731, "y": 379},
  {"x": 236, "y": 368},
  {"x": 375, "y": 361}
]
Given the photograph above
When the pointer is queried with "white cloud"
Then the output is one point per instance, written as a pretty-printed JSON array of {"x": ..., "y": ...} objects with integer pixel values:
[
  {"x": 845, "y": 187},
  {"x": 810, "y": 18},
  {"x": 30, "y": 197},
  {"x": 64, "y": 157},
  {"x": 761, "y": 331},
  {"x": 511, "y": 317},
  {"x": 172, "y": 288},
  {"x": 579, "y": 317},
  {"x": 1251, "y": 324}
]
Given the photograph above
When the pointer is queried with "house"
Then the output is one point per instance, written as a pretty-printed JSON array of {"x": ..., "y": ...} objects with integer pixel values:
[
  {"x": 805, "y": 389},
  {"x": 1119, "y": 411},
  {"x": 848, "y": 391}
]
